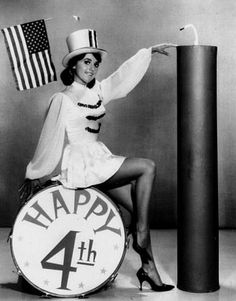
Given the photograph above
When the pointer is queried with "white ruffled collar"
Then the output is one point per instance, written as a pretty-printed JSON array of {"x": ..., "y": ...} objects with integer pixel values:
[{"x": 78, "y": 86}]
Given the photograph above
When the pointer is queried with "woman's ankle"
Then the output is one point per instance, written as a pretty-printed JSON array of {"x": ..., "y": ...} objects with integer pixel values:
[
  {"x": 143, "y": 239},
  {"x": 142, "y": 228}
]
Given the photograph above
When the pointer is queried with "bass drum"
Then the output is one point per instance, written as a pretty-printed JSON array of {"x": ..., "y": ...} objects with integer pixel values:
[{"x": 68, "y": 243}]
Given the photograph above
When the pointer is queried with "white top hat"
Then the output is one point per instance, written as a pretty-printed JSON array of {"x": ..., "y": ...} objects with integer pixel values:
[{"x": 82, "y": 41}]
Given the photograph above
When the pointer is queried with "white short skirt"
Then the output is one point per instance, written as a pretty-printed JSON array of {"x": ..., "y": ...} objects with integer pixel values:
[{"x": 88, "y": 164}]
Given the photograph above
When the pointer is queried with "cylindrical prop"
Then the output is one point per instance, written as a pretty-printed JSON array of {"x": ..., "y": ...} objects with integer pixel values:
[{"x": 198, "y": 245}]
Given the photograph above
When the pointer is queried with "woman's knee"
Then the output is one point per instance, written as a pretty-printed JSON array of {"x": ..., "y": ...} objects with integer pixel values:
[{"x": 149, "y": 167}]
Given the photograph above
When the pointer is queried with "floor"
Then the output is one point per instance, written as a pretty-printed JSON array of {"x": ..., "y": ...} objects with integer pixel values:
[{"x": 125, "y": 286}]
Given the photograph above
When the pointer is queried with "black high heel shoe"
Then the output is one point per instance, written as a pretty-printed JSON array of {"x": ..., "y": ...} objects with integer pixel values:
[{"x": 143, "y": 276}]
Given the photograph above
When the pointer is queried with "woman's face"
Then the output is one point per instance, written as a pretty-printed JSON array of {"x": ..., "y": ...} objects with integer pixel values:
[{"x": 86, "y": 69}]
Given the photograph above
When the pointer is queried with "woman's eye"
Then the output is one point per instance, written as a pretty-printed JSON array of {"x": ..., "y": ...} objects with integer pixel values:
[
  {"x": 96, "y": 65},
  {"x": 87, "y": 62}
]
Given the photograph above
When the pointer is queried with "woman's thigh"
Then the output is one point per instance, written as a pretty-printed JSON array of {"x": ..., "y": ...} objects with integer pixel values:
[
  {"x": 119, "y": 187},
  {"x": 130, "y": 170}
]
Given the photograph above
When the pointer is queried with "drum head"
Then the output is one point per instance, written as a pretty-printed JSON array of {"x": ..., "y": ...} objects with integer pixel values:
[{"x": 67, "y": 242}]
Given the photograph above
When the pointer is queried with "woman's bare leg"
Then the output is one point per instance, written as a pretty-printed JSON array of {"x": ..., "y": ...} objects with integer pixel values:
[
  {"x": 141, "y": 173},
  {"x": 122, "y": 196}
]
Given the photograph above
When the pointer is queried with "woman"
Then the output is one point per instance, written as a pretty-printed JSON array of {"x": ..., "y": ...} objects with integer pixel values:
[{"x": 69, "y": 139}]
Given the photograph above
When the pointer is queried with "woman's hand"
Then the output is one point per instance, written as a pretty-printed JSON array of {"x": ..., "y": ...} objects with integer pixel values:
[
  {"x": 28, "y": 189},
  {"x": 161, "y": 48}
]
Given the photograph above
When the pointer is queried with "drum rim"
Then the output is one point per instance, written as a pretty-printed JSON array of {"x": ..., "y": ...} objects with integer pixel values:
[{"x": 20, "y": 273}]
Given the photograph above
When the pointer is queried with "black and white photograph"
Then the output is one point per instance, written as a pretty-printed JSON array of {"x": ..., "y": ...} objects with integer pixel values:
[{"x": 118, "y": 150}]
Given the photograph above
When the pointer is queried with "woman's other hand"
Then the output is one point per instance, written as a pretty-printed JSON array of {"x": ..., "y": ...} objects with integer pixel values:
[
  {"x": 161, "y": 48},
  {"x": 28, "y": 189}
]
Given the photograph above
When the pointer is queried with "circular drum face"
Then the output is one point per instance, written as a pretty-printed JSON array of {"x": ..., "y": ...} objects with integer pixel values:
[{"x": 68, "y": 242}]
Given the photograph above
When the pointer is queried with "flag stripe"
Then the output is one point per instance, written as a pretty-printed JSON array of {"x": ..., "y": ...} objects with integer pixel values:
[
  {"x": 16, "y": 59},
  {"x": 48, "y": 72},
  {"x": 31, "y": 61},
  {"x": 29, "y": 53},
  {"x": 42, "y": 67},
  {"x": 12, "y": 59},
  {"x": 45, "y": 70},
  {"x": 37, "y": 68},
  {"x": 21, "y": 63},
  {"x": 20, "y": 39},
  {"x": 27, "y": 58},
  {"x": 51, "y": 66}
]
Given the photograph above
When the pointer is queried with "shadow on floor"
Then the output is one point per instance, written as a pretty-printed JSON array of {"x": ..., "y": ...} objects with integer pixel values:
[{"x": 21, "y": 286}]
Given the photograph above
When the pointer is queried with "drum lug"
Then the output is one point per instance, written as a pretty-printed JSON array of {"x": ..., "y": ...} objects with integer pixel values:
[
  {"x": 18, "y": 272},
  {"x": 127, "y": 243},
  {"x": 9, "y": 238},
  {"x": 45, "y": 296},
  {"x": 113, "y": 277},
  {"x": 82, "y": 296}
]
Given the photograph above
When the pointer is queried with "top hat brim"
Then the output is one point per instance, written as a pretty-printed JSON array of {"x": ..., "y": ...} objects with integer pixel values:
[{"x": 76, "y": 52}]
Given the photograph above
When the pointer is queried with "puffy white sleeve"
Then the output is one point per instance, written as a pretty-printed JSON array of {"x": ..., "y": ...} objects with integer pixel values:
[
  {"x": 49, "y": 149},
  {"x": 126, "y": 77}
]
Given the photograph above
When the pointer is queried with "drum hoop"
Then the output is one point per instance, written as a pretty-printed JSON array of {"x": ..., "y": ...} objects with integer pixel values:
[{"x": 19, "y": 271}]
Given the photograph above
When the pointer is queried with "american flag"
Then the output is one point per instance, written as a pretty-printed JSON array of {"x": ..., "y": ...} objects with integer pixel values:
[{"x": 29, "y": 52}]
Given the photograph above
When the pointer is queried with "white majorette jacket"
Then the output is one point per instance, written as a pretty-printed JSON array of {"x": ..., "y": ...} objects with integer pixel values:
[{"x": 70, "y": 132}]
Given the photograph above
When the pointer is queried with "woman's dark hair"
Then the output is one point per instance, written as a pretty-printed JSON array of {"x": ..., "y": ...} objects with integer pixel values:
[{"x": 67, "y": 75}]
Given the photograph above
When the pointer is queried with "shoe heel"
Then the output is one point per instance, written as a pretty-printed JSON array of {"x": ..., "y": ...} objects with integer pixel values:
[
  {"x": 140, "y": 285},
  {"x": 140, "y": 279}
]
